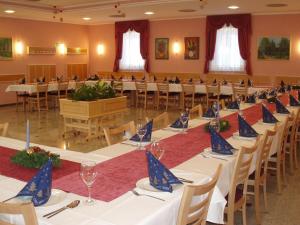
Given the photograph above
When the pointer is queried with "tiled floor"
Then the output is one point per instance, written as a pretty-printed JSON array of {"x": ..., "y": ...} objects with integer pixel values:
[{"x": 46, "y": 129}]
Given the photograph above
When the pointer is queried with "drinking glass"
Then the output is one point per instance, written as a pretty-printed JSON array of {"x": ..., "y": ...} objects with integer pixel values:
[
  {"x": 157, "y": 150},
  {"x": 88, "y": 175},
  {"x": 183, "y": 120},
  {"x": 141, "y": 131},
  {"x": 215, "y": 124}
]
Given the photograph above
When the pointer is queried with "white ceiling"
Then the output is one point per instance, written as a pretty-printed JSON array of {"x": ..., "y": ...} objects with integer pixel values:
[{"x": 99, "y": 10}]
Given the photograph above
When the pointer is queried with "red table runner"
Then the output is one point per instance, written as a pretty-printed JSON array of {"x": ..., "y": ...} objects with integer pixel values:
[{"x": 9, "y": 169}]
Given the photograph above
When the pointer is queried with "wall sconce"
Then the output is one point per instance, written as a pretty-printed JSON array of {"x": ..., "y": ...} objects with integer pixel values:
[
  {"x": 19, "y": 48},
  {"x": 298, "y": 47},
  {"x": 61, "y": 49},
  {"x": 176, "y": 47},
  {"x": 100, "y": 49}
]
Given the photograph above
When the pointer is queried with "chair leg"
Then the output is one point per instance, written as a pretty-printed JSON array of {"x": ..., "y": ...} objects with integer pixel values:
[
  {"x": 295, "y": 154},
  {"x": 284, "y": 171},
  {"x": 278, "y": 175},
  {"x": 257, "y": 204},
  {"x": 244, "y": 214},
  {"x": 265, "y": 194},
  {"x": 291, "y": 155}
]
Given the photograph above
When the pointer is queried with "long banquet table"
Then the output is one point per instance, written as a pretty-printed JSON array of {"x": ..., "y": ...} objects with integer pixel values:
[
  {"x": 122, "y": 207},
  {"x": 129, "y": 86}
]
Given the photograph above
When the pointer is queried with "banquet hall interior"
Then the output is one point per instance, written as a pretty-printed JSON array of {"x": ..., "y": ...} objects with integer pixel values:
[{"x": 149, "y": 112}]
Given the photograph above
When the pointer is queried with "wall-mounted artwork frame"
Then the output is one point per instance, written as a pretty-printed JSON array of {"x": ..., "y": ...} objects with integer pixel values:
[
  {"x": 273, "y": 48},
  {"x": 77, "y": 51},
  {"x": 41, "y": 50},
  {"x": 6, "y": 50},
  {"x": 162, "y": 48},
  {"x": 191, "y": 48}
]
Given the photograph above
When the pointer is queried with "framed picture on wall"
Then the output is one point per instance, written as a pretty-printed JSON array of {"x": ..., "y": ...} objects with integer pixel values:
[
  {"x": 191, "y": 48},
  {"x": 6, "y": 52},
  {"x": 273, "y": 48},
  {"x": 161, "y": 48}
]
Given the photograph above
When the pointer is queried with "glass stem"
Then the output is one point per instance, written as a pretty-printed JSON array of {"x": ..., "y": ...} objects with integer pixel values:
[{"x": 90, "y": 193}]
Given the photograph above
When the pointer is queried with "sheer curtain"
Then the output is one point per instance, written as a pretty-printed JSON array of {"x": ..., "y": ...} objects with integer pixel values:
[
  {"x": 227, "y": 55},
  {"x": 131, "y": 53}
]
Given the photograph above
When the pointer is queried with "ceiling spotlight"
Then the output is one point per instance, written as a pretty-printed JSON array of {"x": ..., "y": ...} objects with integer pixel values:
[
  {"x": 9, "y": 11},
  {"x": 233, "y": 7},
  {"x": 149, "y": 13},
  {"x": 86, "y": 18}
]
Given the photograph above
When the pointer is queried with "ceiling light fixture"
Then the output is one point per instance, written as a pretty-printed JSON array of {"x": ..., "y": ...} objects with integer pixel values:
[
  {"x": 87, "y": 18},
  {"x": 149, "y": 13},
  {"x": 9, "y": 11},
  {"x": 233, "y": 7}
]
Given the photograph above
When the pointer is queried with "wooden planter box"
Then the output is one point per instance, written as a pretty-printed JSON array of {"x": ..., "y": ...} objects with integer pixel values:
[
  {"x": 87, "y": 115},
  {"x": 92, "y": 109}
]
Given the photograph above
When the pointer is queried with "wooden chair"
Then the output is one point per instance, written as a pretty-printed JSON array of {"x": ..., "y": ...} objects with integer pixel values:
[
  {"x": 21, "y": 97},
  {"x": 163, "y": 94},
  {"x": 26, "y": 210},
  {"x": 297, "y": 141},
  {"x": 276, "y": 161},
  {"x": 141, "y": 93},
  {"x": 239, "y": 91},
  {"x": 41, "y": 96},
  {"x": 188, "y": 92},
  {"x": 212, "y": 94},
  {"x": 290, "y": 147},
  {"x": 259, "y": 178},
  {"x": 118, "y": 132},
  {"x": 4, "y": 128},
  {"x": 196, "y": 112},
  {"x": 196, "y": 213},
  {"x": 62, "y": 92},
  {"x": 118, "y": 87},
  {"x": 238, "y": 187},
  {"x": 161, "y": 121}
]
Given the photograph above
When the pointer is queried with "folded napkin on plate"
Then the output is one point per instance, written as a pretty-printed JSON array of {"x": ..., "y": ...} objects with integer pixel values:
[
  {"x": 148, "y": 134},
  {"x": 281, "y": 89},
  {"x": 250, "y": 99},
  {"x": 249, "y": 83},
  {"x": 280, "y": 108},
  {"x": 267, "y": 116},
  {"x": 178, "y": 124},
  {"x": 289, "y": 87},
  {"x": 242, "y": 83},
  {"x": 219, "y": 144},
  {"x": 209, "y": 113},
  {"x": 245, "y": 129},
  {"x": 294, "y": 101},
  {"x": 159, "y": 176},
  {"x": 39, "y": 187},
  {"x": 214, "y": 82},
  {"x": 273, "y": 93},
  {"x": 233, "y": 105},
  {"x": 262, "y": 96}
]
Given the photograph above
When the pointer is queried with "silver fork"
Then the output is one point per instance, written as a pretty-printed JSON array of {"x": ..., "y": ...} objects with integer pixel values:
[{"x": 138, "y": 194}]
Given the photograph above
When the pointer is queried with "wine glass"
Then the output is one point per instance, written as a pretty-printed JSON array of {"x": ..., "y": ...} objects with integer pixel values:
[
  {"x": 141, "y": 131},
  {"x": 184, "y": 117},
  {"x": 88, "y": 175},
  {"x": 157, "y": 150}
]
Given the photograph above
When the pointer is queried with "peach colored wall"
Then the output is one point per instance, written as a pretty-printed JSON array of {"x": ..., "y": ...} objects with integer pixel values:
[
  {"x": 43, "y": 34},
  {"x": 176, "y": 30}
]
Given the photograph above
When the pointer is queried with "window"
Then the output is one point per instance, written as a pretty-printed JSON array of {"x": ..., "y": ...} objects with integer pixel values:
[
  {"x": 227, "y": 55},
  {"x": 131, "y": 54}
]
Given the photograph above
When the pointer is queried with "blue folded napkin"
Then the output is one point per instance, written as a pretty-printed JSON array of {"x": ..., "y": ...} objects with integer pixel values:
[
  {"x": 147, "y": 136},
  {"x": 280, "y": 108},
  {"x": 209, "y": 113},
  {"x": 219, "y": 144},
  {"x": 159, "y": 176},
  {"x": 289, "y": 87},
  {"x": 262, "y": 96},
  {"x": 281, "y": 89},
  {"x": 39, "y": 187},
  {"x": 178, "y": 124},
  {"x": 250, "y": 99},
  {"x": 233, "y": 105},
  {"x": 268, "y": 117},
  {"x": 245, "y": 129},
  {"x": 273, "y": 93},
  {"x": 294, "y": 101}
]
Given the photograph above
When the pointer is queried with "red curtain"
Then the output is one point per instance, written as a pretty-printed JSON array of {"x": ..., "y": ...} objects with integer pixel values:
[
  {"x": 240, "y": 21},
  {"x": 140, "y": 26}
]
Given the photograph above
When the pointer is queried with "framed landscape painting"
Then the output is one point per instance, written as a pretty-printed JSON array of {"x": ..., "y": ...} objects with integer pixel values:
[
  {"x": 191, "y": 48},
  {"x": 6, "y": 49},
  {"x": 161, "y": 48},
  {"x": 274, "y": 48}
]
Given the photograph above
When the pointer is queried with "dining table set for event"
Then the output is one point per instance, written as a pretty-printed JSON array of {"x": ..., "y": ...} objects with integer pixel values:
[{"x": 141, "y": 180}]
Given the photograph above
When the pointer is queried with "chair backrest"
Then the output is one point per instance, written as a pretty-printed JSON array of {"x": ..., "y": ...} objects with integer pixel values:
[
  {"x": 78, "y": 85},
  {"x": 196, "y": 212},
  {"x": 110, "y": 132},
  {"x": 163, "y": 87},
  {"x": 141, "y": 86},
  {"x": 213, "y": 89},
  {"x": 63, "y": 86},
  {"x": 4, "y": 128},
  {"x": 188, "y": 88},
  {"x": 42, "y": 89},
  {"x": 160, "y": 121},
  {"x": 25, "y": 209},
  {"x": 196, "y": 112},
  {"x": 240, "y": 177},
  {"x": 239, "y": 91},
  {"x": 117, "y": 85}
]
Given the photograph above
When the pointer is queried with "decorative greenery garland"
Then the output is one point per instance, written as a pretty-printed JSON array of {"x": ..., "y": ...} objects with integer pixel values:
[
  {"x": 224, "y": 126},
  {"x": 35, "y": 157}
]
